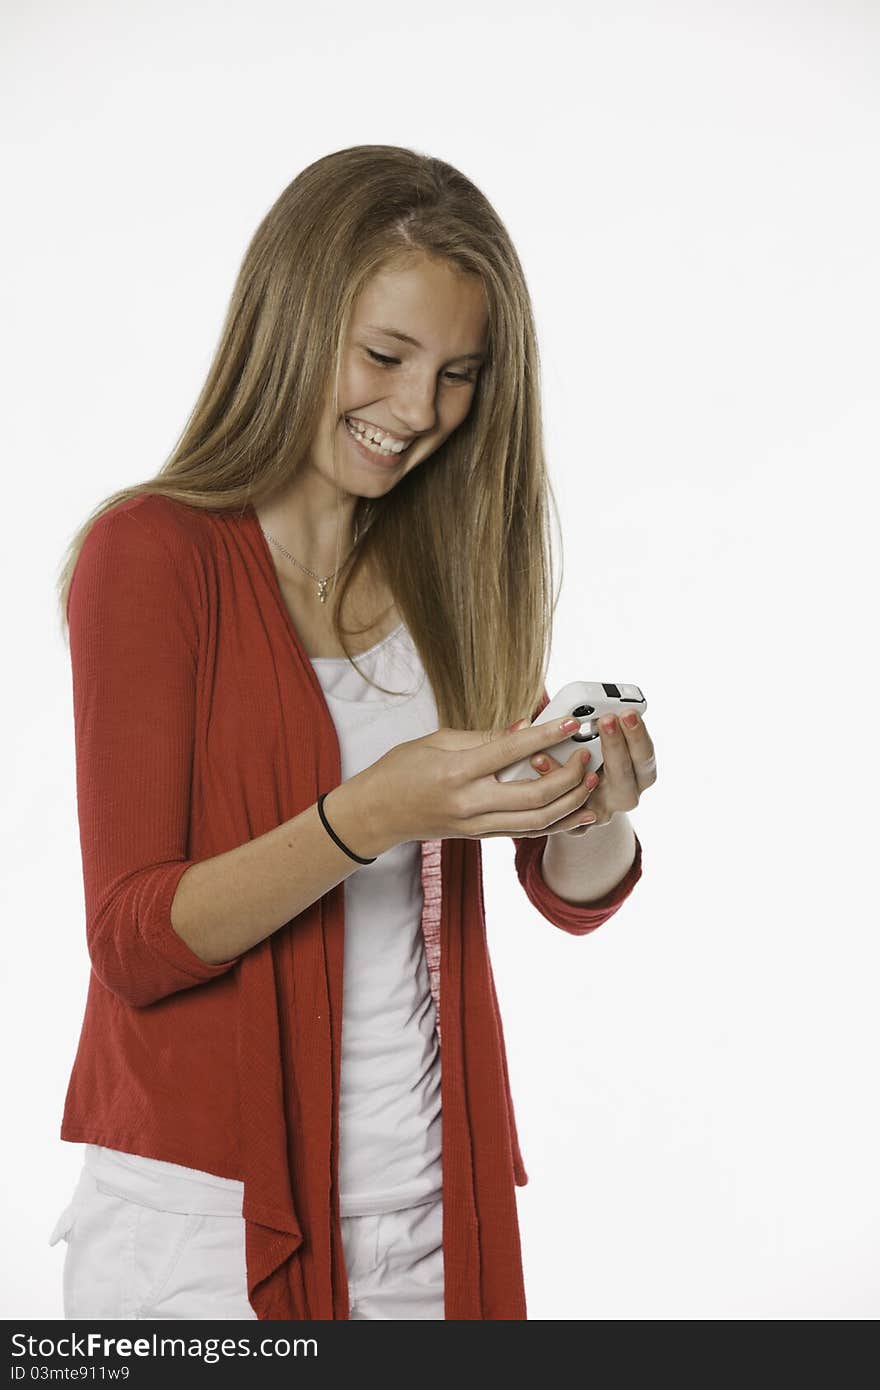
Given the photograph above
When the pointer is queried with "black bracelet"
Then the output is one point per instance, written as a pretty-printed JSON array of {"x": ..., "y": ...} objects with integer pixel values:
[{"x": 332, "y": 833}]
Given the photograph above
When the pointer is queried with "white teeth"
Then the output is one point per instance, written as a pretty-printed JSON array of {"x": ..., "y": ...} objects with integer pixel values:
[{"x": 375, "y": 439}]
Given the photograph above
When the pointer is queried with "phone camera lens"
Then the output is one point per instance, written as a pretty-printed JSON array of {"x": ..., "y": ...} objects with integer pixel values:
[{"x": 583, "y": 712}]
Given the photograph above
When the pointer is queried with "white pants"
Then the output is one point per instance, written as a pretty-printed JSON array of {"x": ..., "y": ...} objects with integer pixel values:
[{"x": 142, "y": 1249}]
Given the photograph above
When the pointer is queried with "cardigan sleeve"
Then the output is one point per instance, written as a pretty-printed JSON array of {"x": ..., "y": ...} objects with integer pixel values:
[
  {"x": 134, "y": 645},
  {"x": 576, "y": 919}
]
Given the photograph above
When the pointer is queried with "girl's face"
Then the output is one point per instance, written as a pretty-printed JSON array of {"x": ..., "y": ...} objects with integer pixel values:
[{"x": 416, "y": 391}]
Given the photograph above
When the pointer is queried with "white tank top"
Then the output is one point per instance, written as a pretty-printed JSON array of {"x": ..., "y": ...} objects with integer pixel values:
[{"x": 389, "y": 1107}]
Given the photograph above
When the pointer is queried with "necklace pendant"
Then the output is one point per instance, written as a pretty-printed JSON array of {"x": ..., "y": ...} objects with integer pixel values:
[{"x": 322, "y": 590}]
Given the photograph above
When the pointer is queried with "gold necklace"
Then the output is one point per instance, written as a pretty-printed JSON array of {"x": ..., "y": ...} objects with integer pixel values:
[{"x": 322, "y": 583}]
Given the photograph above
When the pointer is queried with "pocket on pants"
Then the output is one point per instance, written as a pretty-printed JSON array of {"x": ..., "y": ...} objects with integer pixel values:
[
  {"x": 122, "y": 1254},
  {"x": 159, "y": 1240}
]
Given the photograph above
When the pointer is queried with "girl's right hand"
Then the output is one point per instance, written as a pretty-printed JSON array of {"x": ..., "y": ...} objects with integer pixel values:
[{"x": 443, "y": 786}]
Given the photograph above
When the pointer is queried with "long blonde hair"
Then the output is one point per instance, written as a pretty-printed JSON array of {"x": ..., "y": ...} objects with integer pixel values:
[{"x": 463, "y": 540}]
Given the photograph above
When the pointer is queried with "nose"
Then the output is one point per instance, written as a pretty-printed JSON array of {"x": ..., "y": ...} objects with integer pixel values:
[{"x": 414, "y": 405}]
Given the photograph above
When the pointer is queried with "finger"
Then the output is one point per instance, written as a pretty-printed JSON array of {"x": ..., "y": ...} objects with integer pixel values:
[
  {"x": 502, "y": 749},
  {"x": 531, "y": 805},
  {"x": 545, "y": 762},
  {"x": 541, "y": 762},
  {"x": 557, "y": 778},
  {"x": 617, "y": 763},
  {"x": 595, "y": 810},
  {"x": 641, "y": 750},
  {"x": 590, "y": 811},
  {"x": 577, "y": 767}
]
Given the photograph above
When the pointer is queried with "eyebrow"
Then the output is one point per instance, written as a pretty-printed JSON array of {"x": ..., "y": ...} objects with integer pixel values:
[{"x": 405, "y": 338}]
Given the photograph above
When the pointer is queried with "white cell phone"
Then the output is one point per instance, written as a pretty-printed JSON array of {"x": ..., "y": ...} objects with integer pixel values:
[{"x": 587, "y": 701}]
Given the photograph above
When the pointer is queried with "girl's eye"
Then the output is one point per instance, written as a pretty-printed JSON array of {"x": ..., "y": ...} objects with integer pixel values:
[{"x": 395, "y": 362}]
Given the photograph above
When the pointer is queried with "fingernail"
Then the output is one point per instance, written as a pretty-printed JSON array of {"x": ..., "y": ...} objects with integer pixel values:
[
  {"x": 570, "y": 724},
  {"x": 541, "y": 763},
  {"x": 587, "y": 820},
  {"x": 609, "y": 725},
  {"x": 631, "y": 720}
]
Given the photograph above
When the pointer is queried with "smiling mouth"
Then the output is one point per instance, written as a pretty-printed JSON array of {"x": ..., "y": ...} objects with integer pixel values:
[
  {"x": 357, "y": 422},
  {"x": 378, "y": 449}
]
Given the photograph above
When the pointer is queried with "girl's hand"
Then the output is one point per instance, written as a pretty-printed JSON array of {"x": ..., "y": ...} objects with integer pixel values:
[
  {"x": 443, "y": 786},
  {"x": 628, "y": 768}
]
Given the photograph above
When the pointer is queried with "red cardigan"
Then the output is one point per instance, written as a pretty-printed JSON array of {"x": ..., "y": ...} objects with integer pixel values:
[{"x": 200, "y": 724}]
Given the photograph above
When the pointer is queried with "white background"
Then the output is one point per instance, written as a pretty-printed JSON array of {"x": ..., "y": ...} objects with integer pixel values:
[{"x": 693, "y": 191}]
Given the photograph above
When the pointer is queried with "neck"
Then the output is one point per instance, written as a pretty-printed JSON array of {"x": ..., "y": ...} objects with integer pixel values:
[{"x": 319, "y": 540}]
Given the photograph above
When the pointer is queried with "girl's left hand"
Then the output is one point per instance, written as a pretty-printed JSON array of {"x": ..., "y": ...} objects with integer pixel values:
[{"x": 628, "y": 768}]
